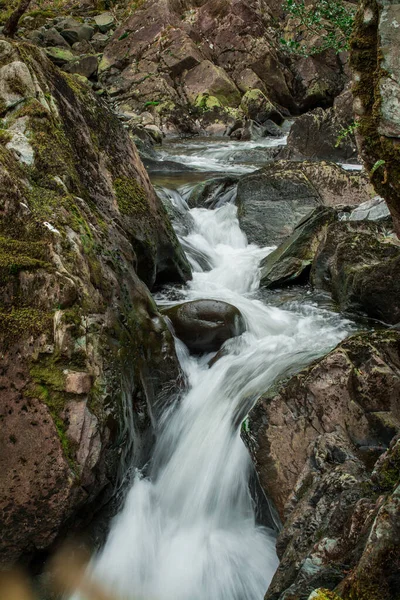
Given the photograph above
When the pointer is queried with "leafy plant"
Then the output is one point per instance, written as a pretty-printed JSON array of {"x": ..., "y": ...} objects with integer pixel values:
[
  {"x": 379, "y": 163},
  {"x": 330, "y": 20},
  {"x": 346, "y": 132}
]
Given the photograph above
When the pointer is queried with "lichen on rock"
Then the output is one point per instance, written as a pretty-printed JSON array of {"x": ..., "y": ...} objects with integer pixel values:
[{"x": 79, "y": 330}]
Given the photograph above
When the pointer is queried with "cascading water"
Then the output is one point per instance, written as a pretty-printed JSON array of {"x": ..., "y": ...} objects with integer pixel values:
[{"x": 188, "y": 530}]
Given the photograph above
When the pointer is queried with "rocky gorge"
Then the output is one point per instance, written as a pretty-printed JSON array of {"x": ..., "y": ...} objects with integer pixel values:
[{"x": 192, "y": 257}]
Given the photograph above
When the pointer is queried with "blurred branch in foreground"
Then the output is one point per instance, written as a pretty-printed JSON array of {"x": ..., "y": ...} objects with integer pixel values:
[{"x": 67, "y": 571}]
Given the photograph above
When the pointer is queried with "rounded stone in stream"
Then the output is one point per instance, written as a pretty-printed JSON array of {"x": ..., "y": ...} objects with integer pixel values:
[{"x": 204, "y": 325}]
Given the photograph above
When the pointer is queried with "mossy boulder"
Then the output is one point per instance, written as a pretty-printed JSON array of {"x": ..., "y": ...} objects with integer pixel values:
[
  {"x": 376, "y": 84},
  {"x": 359, "y": 263},
  {"x": 82, "y": 342},
  {"x": 257, "y": 107},
  {"x": 212, "y": 80}
]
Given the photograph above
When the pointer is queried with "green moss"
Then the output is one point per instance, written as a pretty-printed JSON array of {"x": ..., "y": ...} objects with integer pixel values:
[
  {"x": 323, "y": 594},
  {"x": 49, "y": 387},
  {"x": 5, "y": 137},
  {"x": 388, "y": 476},
  {"x": 131, "y": 196},
  {"x": 22, "y": 322}
]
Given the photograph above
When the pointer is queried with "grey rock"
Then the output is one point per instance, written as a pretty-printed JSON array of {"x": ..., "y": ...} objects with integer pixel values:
[
  {"x": 51, "y": 37},
  {"x": 291, "y": 262},
  {"x": 104, "y": 22},
  {"x": 70, "y": 35},
  {"x": 372, "y": 210},
  {"x": 214, "y": 193},
  {"x": 86, "y": 66},
  {"x": 204, "y": 325}
]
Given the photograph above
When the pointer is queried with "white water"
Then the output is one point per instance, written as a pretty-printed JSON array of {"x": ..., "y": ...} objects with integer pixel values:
[
  {"x": 222, "y": 156},
  {"x": 187, "y": 531}
]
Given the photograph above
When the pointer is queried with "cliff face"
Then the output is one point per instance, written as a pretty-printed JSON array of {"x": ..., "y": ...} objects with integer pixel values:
[
  {"x": 326, "y": 447},
  {"x": 206, "y": 55},
  {"x": 375, "y": 63},
  {"x": 81, "y": 233}
]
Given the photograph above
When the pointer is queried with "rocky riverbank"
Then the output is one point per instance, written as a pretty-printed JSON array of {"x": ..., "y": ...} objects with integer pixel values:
[{"x": 88, "y": 360}]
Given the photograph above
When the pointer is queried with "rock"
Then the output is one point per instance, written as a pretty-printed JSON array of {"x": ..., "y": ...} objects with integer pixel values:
[
  {"x": 67, "y": 23},
  {"x": 60, "y": 56},
  {"x": 291, "y": 262},
  {"x": 19, "y": 141},
  {"x": 273, "y": 200},
  {"x": 372, "y": 210},
  {"x": 155, "y": 133},
  {"x": 210, "y": 79},
  {"x": 214, "y": 193},
  {"x": 16, "y": 83},
  {"x": 78, "y": 383},
  {"x": 51, "y": 37},
  {"x": 218, "y": 48},
  {"x": 326, "y": 452},
  {"x": 272, "y": 129},
  {"x": 81, "y": 242},
  {"x": 359, "y": 264},
  {"x": 256, "y": 106},
  {"x": 317, "y": 135},
  {"x": 86, "y": 66},
  {"x": 376, "y": 83},
  {"x": 99, "y": 41},
  {"x": 320, "y": 79},
  {"x": 70, "y": 36},
  {"x": 251, "y": 131},
  {"x": 104, "y": 22},
  {"x": 204, "y": 325},
  {"x": 247, "y": 81}
]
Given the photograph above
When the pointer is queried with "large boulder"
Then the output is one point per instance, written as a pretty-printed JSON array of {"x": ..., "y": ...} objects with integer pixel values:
[
  {"x": 204, "y": 325},
  {"x": 211, "y": 79},
  {"x": 319, "y": 79},
  {"x": 256, "y": 106},
  {"x": 273, "y": 200},
  {"x": 324, "y": 134},
  {"x": 359, "y": 263},
  {"x": 291, "y": 262},
  {"x": 81, "y": 340},
  {"x": 213, "y": 193},
  {"x": 327, "y": 451},
  {"x": 376, "y": 89}
]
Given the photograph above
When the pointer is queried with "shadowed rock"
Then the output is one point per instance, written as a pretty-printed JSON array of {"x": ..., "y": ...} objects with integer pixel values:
[{"x": 204, "y": 325}]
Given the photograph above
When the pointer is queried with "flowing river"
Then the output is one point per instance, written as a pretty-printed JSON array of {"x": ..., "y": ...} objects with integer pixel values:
[{"x": 188, "y": 529}]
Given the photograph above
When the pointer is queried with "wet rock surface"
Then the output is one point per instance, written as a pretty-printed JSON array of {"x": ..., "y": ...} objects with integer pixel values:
[
  {"x": 75, "y": 238},
  {"x": 326, "y": 449},
  {"x": 273, "y": 200},
  {"x": 291, "y": 262},
  {"x": 204, "y": 325},
  {"x": 324, "y": 134},
  {"x": 359, "y": 263},
  {"x": 376, "y": 82}
]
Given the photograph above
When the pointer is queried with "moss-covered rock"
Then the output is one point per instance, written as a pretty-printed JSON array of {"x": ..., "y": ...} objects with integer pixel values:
[
  {"x": 79, "y": 332},
  {"x": 360, "y": 263},
  {"x": 376, "y": 80}
]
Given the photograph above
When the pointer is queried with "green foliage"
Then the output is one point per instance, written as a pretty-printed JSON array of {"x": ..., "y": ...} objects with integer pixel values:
[
  {"x": 331, "y": 20},
  {"x": 345, "y": 132},
  {"x": 379, "y": 163}
]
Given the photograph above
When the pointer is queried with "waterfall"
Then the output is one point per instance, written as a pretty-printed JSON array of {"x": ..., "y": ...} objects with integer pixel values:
[{"x": 187, "y": 531}]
